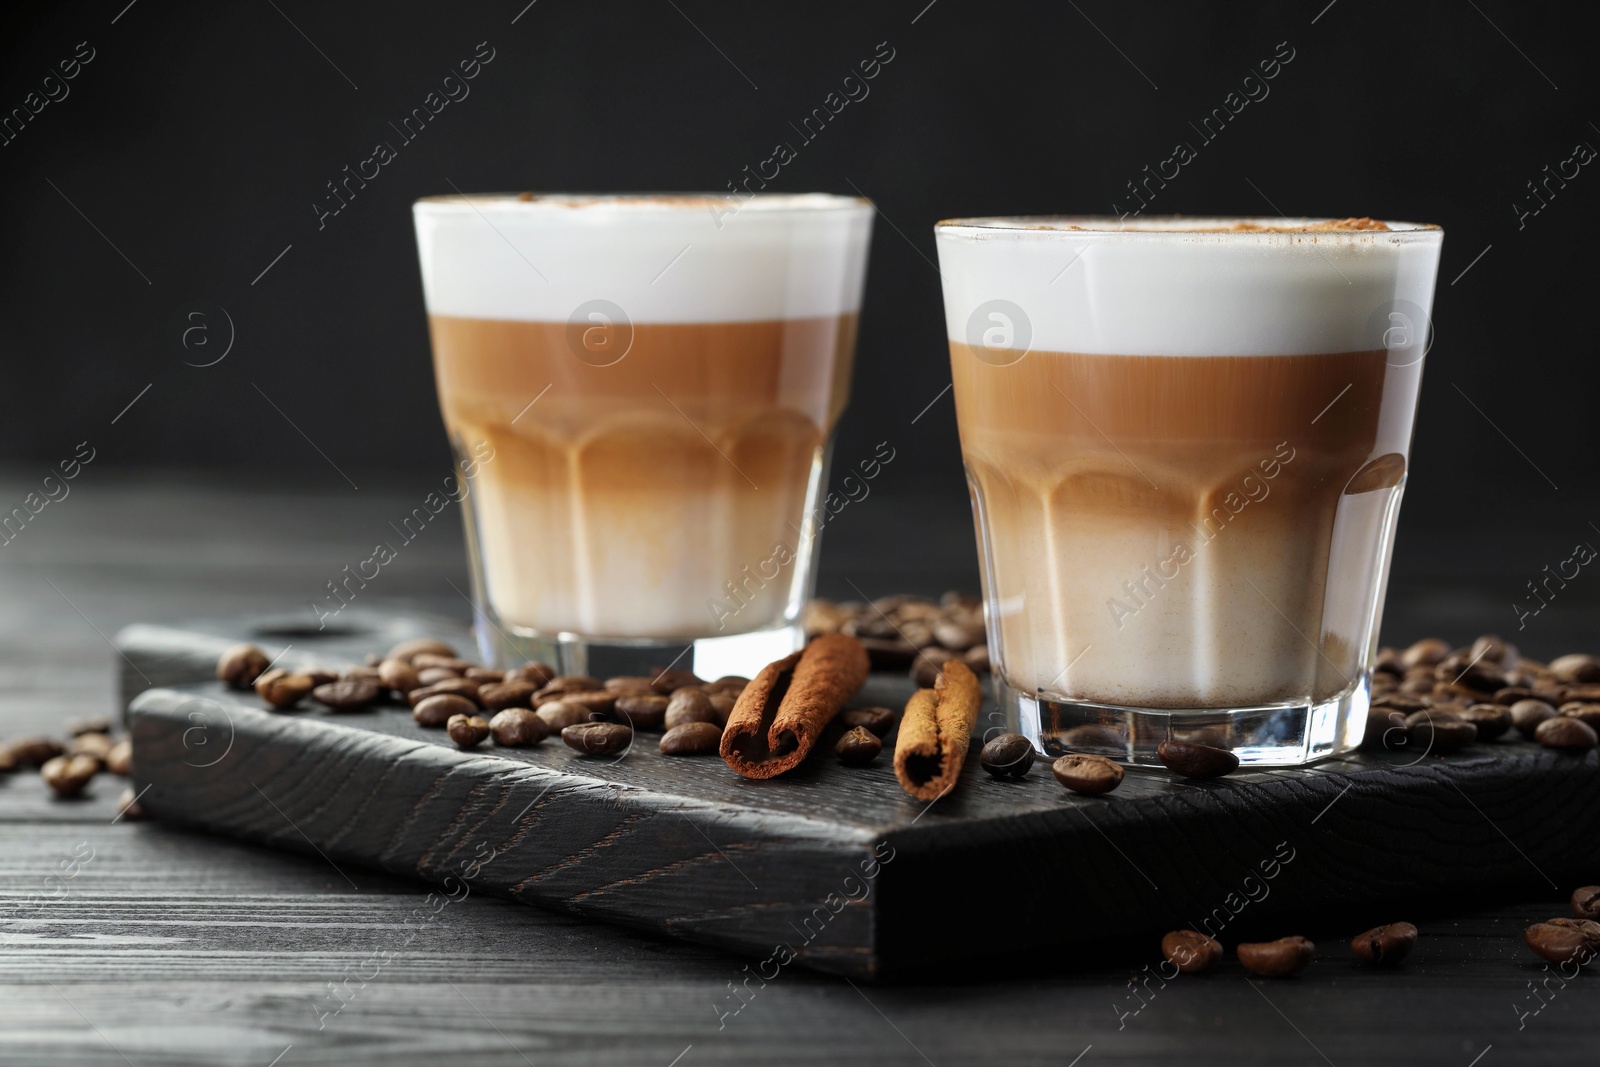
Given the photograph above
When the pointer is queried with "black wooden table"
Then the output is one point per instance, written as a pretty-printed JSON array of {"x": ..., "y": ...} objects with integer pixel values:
[{"x": 134, "y": 943}]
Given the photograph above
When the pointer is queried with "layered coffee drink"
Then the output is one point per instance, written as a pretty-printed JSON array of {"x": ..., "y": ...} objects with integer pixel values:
[
  {"x": 658, "y": 378},
  {"x": 1186, "y": 443}
]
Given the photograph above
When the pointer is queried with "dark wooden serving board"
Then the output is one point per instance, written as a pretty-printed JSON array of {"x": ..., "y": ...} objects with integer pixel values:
[{"x": 834, "y": 865}]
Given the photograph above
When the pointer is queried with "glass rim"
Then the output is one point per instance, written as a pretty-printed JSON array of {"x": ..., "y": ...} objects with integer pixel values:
[
  {"x": 1220, "y": 227},
  {"x": 577, "y": 206}
]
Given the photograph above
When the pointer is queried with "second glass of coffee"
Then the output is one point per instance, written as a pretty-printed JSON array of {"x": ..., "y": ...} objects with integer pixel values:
[
  {"x": 1186, "y": 442},
  {"x": 640, "y": 392}
]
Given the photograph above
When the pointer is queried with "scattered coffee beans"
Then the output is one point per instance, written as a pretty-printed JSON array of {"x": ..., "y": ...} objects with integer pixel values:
[
  {"x": 467, "y": 731},
  {"x": 858, "y": 747},
  {"x": 1491, "y": 720},
  {"x": 558, "y": 715},
  {"x": 1196, "y": 761},
  {"x": 241, "y": 665},
  {"x": 1565, "y": 733},
  {"x": 497, "y": 696},
  {"x": 1083, "y": 773},
  {"x": 484, "y": 675},
  {"x": 433, "y": 675},
  {"x": 35, "y": 751},
  {"x": 1526, "y": 715},
  {"x": 461, "y": 687},
  {"x": 1277, "y": 959},
  {"x": 1191, "y": 951},
  {"x": 597, "y": 738},
  {"x": 1007, "y": 756},
  {"x": 535, "y": 673},
  {"x": 1384, "y": 945},
  {"x": 1583, "y": 711},
  {"x": 440, "y": 708},
  {"x": 879, "y": 720},
  {"x": 642, "y": 711},
  {"x": 689, "y": 705},
  {"x": 1438, "y": 730},
  {"x": 517, "y": 727},
  {"x": 67, "y": 775},
  {"x": 1558, "y": 944},
  {"x": 1586, "y": 902},
  {"x": 1576, "y": 669},
  {"x": 691, "y": 739},
  {"x": 398, "y": 675}
]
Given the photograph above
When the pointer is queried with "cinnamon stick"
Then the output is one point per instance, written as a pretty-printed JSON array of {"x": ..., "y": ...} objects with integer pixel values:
[
  {"x": 935, "y": 731},
  {"x": 783, "y": 710}
]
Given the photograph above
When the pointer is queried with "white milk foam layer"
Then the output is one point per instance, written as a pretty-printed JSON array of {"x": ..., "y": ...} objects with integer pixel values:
[
  {"x": 662, "y": 259},
  {"x": 1170, "y": 288}
]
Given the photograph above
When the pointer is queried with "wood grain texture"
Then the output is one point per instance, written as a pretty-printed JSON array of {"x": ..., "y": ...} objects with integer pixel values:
[{"x": 688, "y": 849}]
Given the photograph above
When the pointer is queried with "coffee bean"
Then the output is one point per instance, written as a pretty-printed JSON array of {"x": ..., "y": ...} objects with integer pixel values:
[
  {"x": 423, "y": 661},
  {"x": 1404, "y": 702},
  {"x": 1196, "y": 761},
  {"x": 957, "y": 637},
  {"x": 320, "y": 675},
  {"x": 1438, "y": 730},
  {"x": 405, "y": 650},
  {"x": 8, "y": 762},
  {"x": 35, "y": 751},
  {"x": 1007, "y": 756},
  {"x": 723, "y": 702},
  {"x": 517, "y": 728},
  {"x": 534, "y": 673},
  {"x": 96, "y": 724},
  {"x": 282, "y": 690},
  {"x": 1586, "y": 902},
  {"x": 1566, "y": 733},
  {"x": 398, "y": 675},
  {"x": 1587, "y": 928},
  {"x": 858, "y": 747},
  {"x": 1191, "y": 951},
  {"x": 571, "y": 683},
  {"x": 691, "y": 739},
  {"x": 67, "y": 775},
  {"x": 689, "y": 705},
  {"x": 1526, "y": 715},
  {"x": 430, "y": 675},
  {"x": 1384, "y": 945},
  {"x": 1277, "y": 959},
  {"x": 597, "y": 738},
  {"x": 119, "y": 760},
  {"x": 1092, "y": 775},
  {"x": 601, "y": 700},
  {"x": 879, "y": 720},
  {"x": 347, "y": 694},
  {"x": 977, "y": 657},
  {"x": 888, "y": 653},
  {"x": 558, "y": 715},
  {"x": 642, "y": 712},
  {"x": 1492, "y": 720},
  {"x": 97, "y": 746},
  {"x": 1576, "y": 668},
  {"x": 1092, "y": 735},
  {"x": 925, "y": 670},
  {"x": 129, "y": 808},
  {"x": 1445, "y": 693},
  {"x": 461, "y": 687},
  {"x": 1558, "y": 944},
  {"x": 1389, "y": 662},
  {"x": 1491, "y": 648},
  {"x": 484, "y": 676},
  {"x": 733, "y": 683},
  {"x": 628, "y": 684},
  {"x": 1418, "y": 680},
  {"x": 441, "y": 708},
  {"x": 1513, "y": 693},
  {"x": 498, "y": 696},
  {"x": 1425, "y": 653},
  {"x": 1386, "y": 728},
  {"x": 668, "y": 682},
  {"x": 241, "y": 665},
  {"x": 467, "y": 731},
  {"x": 1583, "y": 712}
]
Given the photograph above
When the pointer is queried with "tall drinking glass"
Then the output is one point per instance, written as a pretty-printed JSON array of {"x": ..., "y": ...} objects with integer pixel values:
[
  {"x": 640, "y": 392},
  {"x": 1186, "y": 442}
]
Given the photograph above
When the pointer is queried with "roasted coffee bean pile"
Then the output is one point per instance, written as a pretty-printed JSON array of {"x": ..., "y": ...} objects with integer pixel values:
[
  {"x": 68, "y": 766},
  {"x": 1432, "y": 698},
  {"x": 909, "y": 633},
  {"x": 517, "y": 708}
]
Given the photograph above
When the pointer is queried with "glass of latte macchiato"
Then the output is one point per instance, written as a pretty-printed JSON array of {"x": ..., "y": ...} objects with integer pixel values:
[
  {"x": 1186, "y": 442},
  {"x": 640, "y": 392}
]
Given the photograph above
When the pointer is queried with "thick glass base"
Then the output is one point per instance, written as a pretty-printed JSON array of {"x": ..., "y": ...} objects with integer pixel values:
[
  {"x": 709, "y": 657},
  {"x": 1271, "y": 735}
]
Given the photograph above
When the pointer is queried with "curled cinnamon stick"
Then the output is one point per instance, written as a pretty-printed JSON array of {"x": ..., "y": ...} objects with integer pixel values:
[
  {"x": 935, "y": 731},
  {"x": 783, "y": 710}
]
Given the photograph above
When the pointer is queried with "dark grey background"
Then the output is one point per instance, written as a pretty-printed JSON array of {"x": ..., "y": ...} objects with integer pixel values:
[{"x": 199, "y": 137}]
